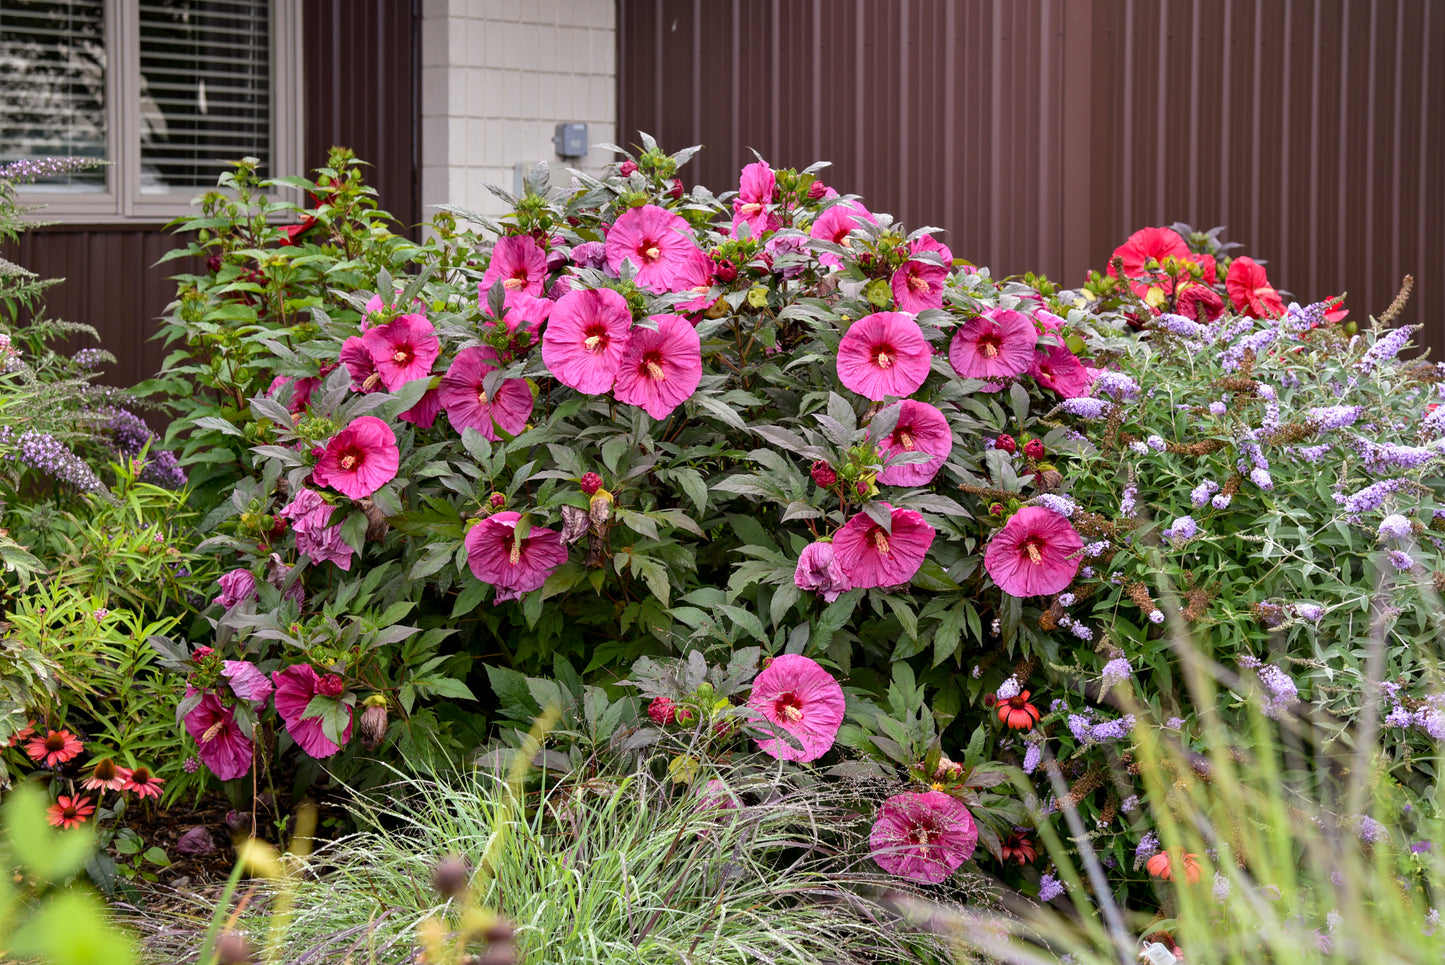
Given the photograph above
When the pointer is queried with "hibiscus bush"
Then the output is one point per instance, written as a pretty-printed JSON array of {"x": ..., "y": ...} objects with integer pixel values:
[{"x": 817, "y": 490}]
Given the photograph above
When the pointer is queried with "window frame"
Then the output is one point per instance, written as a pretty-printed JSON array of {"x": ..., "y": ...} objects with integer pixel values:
[{"x": 122, "y": 202}]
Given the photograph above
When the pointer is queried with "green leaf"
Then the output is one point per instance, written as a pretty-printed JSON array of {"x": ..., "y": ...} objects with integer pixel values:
[{"x": 832, "y": 619}]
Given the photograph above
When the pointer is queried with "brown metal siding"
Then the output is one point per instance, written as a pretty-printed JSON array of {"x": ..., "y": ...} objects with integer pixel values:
[
  {"x": 1040, "y": 133},
  {"x": 362, "y": 82},
  {"x": 363, "y": 85}
]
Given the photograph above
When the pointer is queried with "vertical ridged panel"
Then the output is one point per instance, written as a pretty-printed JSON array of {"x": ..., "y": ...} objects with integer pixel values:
[{"x": 1040, "y": 133}]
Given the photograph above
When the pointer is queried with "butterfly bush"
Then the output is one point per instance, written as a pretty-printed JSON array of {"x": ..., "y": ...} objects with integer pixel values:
[{"x": 688, "y": 431}]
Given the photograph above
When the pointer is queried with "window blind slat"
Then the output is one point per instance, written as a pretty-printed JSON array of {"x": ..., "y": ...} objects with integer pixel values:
[
  {"x": 52, "y": 85},
  {"x": 205, "y": 68}
]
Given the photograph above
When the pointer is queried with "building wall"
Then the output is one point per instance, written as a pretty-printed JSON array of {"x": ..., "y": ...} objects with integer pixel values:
[
  {"x": 1039, "y": 133},
  {"x": 497, "y": 76}
]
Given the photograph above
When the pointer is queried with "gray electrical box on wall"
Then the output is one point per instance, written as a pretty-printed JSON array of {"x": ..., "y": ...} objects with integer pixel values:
[{"x": 571, "y": 140}]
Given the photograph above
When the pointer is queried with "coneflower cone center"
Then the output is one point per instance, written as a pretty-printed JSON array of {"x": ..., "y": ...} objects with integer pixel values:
[
  {"x": 54, "y": 742},
  {"x": 1036, "y": 556},
  {"x": 880, "y": 541},
  {"x": 105, "y": 770},
  {"x": 789, "y": 707}
]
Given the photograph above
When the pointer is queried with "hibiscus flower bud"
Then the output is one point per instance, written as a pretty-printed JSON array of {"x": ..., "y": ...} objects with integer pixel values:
[
  {"x": 662, "y": 711},
  {"x": 1006, "y": 443},
  {"x": 816, "y": 190},
  {"x": 451, "y": 876},
  {"x": 627, "y": 168},
  {"x": 1034, "y": 449},
  {"x": 990, "y": 699},
  {"x": 214, "y": 263},
  {"x": 201, "y": 654},
  {"x": 725, "y": 272},
  {"x": 590, "y": 483},
  {"x": 863, "y": 487},
  {"x": 498, "y": 500},
  {"x": 676, "y": 191},
  {"x": 373, "y": 721},
  {"x": 330, "y": 685},
  {"x": 823, "y": 474},
  {"x": 995, "y": 509}
]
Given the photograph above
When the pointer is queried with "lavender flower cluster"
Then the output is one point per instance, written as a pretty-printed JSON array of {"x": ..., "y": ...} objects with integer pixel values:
[{"x": 44, "y": 453}]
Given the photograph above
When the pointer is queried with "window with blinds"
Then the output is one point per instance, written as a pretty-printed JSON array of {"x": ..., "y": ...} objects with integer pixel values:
[
  {"x": 205, "y": 90},
  {"x": 53, "y": 86}
]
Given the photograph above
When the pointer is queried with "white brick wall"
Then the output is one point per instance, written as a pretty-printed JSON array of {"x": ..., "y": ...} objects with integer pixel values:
[{"x": 497, "y": 77}]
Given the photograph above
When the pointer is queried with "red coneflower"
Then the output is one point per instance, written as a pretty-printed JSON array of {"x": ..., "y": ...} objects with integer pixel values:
[
  {"x": 1018, "y": 847},
  {"x": 23, "y": 734},
  {"x": 104, "y": 776},
  {"x": 141, "y": 781},
  {"x": 1017, "y": 712},
  {"x": 67, "y": 812},
  {"x": 56, "y": 747}
]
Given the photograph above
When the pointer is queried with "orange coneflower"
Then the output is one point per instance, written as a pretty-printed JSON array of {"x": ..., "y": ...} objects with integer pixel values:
[
  {"x": 56, "y": 747},
  {"x": 141, "y": 781},
  {"x": 1017, "y": 712},
  {"x": 104, "y": 776},
  {"x": 1162, "y": 866},
  {"x": 67, "y": 812}
]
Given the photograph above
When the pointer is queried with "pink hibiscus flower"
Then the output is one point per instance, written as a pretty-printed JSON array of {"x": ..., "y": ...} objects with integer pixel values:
[
  {"x": 237, "y": 587},
  {"x": 661, "y": 368},
  {"x": 523, "y": 312},
  {"x": 918, "y": 286},
  {"x": 756, "y": 189},
  {"x": 883, "y": 354},
  {"x": 798, "y": 697},
  {"x": 310, "y": 516},
  {"x": 929, "y": 243},
  {"x": 659, "y": 244},
  {"x": 220, "y": 743},
  {"x": 295, "y": 686},
  {"x": 1056, "y": 368},
  {"x": 403, "y": 350},
  {"x": 424, "y": 414},
  {"x": 819, "y": 572},
  {"x": 356, "y": 356},
  {"x": 996, "y": 345},
  {"x": 835, "y": 224},
  {"x": 920, "y": 428},
  {"x": 1250, "y": 291},
  {"x": 923, "y": 836},
  {"x": 870, "y": 556},
  {"x": 466, "y": 401},
  {"x": 359, "y": 459},
  {"x": 586, "y": 338},
  {"x": 497, "y": 557},
  {"x": 1036, "y": 553},
  {"x": 247, "y": 682},
  {"x": 519, "y": 263}
]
